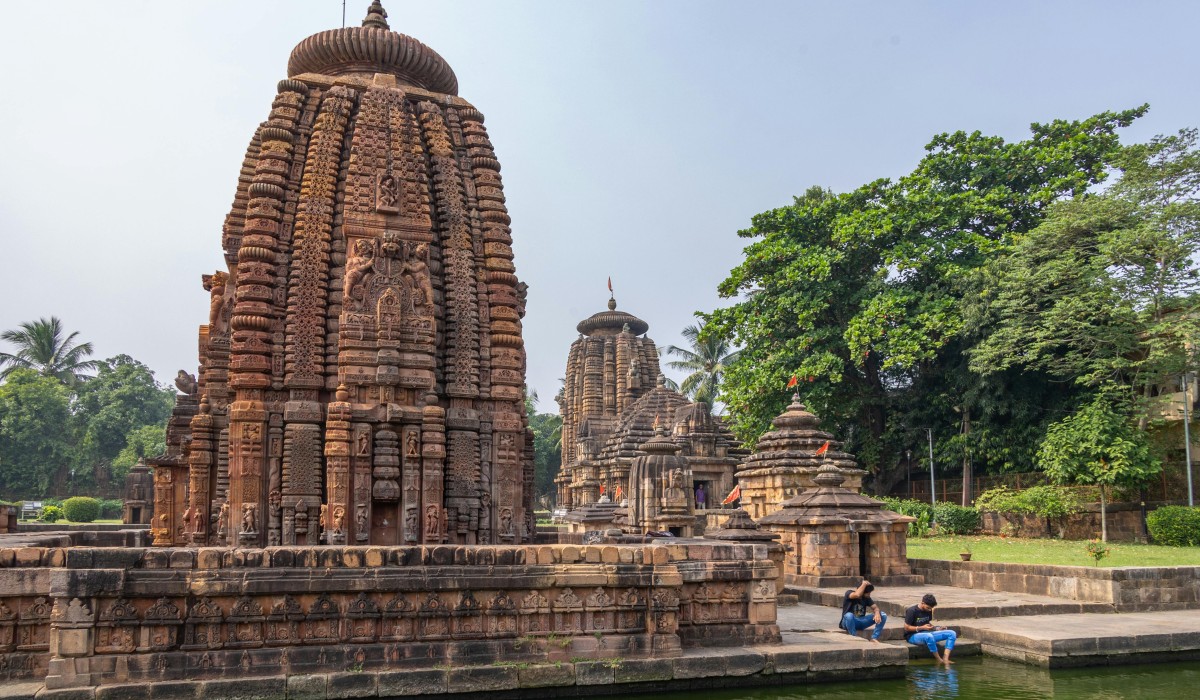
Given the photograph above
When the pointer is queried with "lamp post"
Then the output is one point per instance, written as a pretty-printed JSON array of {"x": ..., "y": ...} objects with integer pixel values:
[
  {"x": 932, "y": 482},
  {"x": 1187, "y": 439},
  {"x": 908, "y": 475}
]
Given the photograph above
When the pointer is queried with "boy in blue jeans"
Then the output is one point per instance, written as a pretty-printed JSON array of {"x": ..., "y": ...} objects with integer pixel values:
[
  {"x": 919, "y": 629},
  {"x": 855, "y": 606}
]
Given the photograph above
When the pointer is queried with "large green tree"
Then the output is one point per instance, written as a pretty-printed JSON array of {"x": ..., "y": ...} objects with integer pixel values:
[
  {"x": 860, "y": 294},
  {"x": 45, "y": 347},
  {"x": 547, "y": 449},
  {"x": 36, "y": 440},
  {"x": 122, "y": 398}
]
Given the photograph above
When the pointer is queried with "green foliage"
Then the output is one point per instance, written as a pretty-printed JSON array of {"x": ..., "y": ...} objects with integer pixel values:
[
  {"x": 111, "y": 509},
  {"x": 81, "y": 509},
  {"x": 1050, "y": 501},
  {"x": 547, "y": 448},
  {"x": 921, "y": 510},
  {"x": 146, "y": 441},
  {"x": 1097, "y": 550},
  {"x": 1002, "y": 500},
  {"x": 120, "y": 400},
  {"x": 36, "y": 439},
  {"x": 44, "y": 347},
  {"x": 953, "y": 519},
  {"x": 1175, "y": 526},
  {"x": 861, "y": 295},
  {"x": 51, "y": 514},
  {"x": 705, "y": 361},
  {"x": 1098, "y": 445}
]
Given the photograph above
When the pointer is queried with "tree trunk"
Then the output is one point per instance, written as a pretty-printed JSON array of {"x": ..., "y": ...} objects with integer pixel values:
[{"x": 1103, "y": 513}]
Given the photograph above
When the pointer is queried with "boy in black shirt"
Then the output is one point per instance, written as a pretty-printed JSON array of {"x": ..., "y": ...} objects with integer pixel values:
[
  {"x": 855, "y": 606},
  {"x": 919, "y": 629}
]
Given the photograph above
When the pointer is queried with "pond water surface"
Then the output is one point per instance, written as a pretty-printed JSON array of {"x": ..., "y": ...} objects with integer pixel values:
[{"x": 980, "y": 678}]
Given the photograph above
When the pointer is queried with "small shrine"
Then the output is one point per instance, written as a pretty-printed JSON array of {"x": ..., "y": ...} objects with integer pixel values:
[
  {"x": 660, "y": 489},
  {"x": 837, "y": 535},
  {"x": 786, "y": 459}
]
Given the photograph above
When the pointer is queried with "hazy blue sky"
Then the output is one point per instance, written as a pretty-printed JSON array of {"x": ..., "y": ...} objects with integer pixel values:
[{"x": 636, "y": 138}]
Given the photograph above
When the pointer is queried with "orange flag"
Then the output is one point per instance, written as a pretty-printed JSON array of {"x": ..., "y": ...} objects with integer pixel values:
[
  {"x": 823, "y": 449},
  {"x": 620, "y": 493},
  {"x": 610, "y": 284},
  {"x": 601, "y": 489},
  {"x": 792, "y": 382},
  {"x": 735, "y": 494}
]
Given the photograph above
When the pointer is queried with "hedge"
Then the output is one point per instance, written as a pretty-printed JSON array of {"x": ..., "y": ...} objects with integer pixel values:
[
  {"x": 81, "y": 509},
  {"x": 1175, "y": 526}
]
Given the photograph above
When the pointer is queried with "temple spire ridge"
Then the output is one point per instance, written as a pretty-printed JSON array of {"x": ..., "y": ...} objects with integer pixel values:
[{"x": 376, "y": 16}]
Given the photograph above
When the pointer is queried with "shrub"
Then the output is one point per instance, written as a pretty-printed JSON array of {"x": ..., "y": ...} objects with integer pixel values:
[
  {"x": 1050, "y": 501},
  {"x": 81, "y": 509},
  {"x": 954, "y": 519},
  {"x": 1175, "y": 526},
  {"x": 111, "y": 508},
  {"x": 920, "y": 510},
  {"x": 51, "y": 514},
  {"x": 1002, "y": 500}
]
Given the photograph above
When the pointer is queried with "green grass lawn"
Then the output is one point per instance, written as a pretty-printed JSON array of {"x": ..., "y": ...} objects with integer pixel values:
[
  {"x": 64, "y": 521},
  {"x": 1046, "y": 551}
]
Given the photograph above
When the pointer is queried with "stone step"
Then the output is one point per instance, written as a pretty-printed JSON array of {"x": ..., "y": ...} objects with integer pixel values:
[
  {"x": 962, "y": 647},
  {"x": 956, "y": 604}
]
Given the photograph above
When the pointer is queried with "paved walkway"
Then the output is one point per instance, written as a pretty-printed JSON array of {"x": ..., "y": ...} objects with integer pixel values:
[{"x": 958, "y": 603}]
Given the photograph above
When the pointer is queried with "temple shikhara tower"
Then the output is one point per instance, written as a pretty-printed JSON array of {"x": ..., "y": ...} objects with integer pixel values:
[{"x": 362, "y": 369}]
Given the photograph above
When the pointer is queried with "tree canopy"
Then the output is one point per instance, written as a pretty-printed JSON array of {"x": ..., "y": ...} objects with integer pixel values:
[{"x": 895, "y": 303}]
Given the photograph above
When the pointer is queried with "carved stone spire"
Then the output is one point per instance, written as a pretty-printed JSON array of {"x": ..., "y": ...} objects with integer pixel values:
[{"x": 376, "y": 16}]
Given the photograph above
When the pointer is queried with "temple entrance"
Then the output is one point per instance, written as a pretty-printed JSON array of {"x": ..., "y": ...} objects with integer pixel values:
[
  {"x": 383, "y": 524},
  {"x": 135, "y": 515},
  {"x": 864, "y": 554},
  {"x": 703, "y": 494}
]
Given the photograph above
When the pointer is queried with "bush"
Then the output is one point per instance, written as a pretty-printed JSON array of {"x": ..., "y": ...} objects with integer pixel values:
[
  {"x": 81, "y": 509},
  {"x": 112, "y": 508},
  {"x": 1175, "y": 526},
  {"x": 51, "y": 514},
  {"x": 954, "y": 519},
  {"x": 1050, "y": 501},
  {"x": 1002, "y": 500},
  {"x": 920, "y": 510}
]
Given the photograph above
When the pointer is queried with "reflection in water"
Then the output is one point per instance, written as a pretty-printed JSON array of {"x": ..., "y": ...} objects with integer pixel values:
[
  {"x": 985, "y": 679},
  {"x": 929, "y": 682}
]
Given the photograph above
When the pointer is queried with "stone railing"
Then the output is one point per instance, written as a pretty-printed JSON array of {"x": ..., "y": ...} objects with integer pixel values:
[
  {"x": 88, "y": 616},
  {"x": 1126, "y": 588}
]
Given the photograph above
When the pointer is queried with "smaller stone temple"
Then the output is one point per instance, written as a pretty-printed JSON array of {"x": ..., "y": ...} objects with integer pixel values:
[
  {"x": 613, "y": 397},
  {"x": 799, "y": 485},
  {"x": 786, "y": 459},
  {"x": 660, "y": 489},
  {"x": 836, "y": 535},
  {"x": 139, "y": 492}
]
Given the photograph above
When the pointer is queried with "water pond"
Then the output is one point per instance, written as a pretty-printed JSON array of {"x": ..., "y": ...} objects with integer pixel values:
[{"x": 987, "y": 678}]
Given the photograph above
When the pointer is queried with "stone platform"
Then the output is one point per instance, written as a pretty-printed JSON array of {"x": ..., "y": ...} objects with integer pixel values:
[{"x": 1061, "y": 641}]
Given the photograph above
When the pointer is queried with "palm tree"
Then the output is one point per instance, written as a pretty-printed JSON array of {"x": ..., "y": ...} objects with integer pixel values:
[
  {"x": 42, "y": 347},
  {"x": 707, "y": 361}
]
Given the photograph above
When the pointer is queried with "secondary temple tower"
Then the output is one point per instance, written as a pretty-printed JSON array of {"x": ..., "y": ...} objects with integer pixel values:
[{"x": 362, "y": 368}]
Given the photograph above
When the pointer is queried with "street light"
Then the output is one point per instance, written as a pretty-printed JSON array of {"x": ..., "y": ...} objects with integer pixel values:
[
  {"x": 932, "y": 483},
  {"x": 1187, "y": 439}
]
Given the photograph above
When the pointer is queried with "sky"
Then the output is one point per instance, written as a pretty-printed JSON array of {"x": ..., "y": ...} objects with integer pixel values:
[{"x": 636, "y": 137}]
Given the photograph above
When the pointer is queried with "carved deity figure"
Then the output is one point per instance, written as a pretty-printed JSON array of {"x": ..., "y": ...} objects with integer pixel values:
[
  {"x": 364, "y": 443},
  {"x": 223, "y": 521},
  {"x": 506, "y": 521},
  {"x": 249, "y": 518},
  {"x": 416, "y": 275},
  {"x": 323, "y": 518},
  {"x": 412, "y": 445},
  {"x": 360, "y": 518},
  {"x": 410, "y": 525},
  {"x": 389, "y": 194},
  {"x": 432, "y": 522},
  {"x": 187, "y": 519},
  {"x": 358, "y": 266},
  {"x": 339, "y": 520}
]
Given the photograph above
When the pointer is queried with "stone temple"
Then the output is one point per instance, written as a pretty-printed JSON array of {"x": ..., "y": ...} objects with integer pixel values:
[{"x": 362, "y": 369}]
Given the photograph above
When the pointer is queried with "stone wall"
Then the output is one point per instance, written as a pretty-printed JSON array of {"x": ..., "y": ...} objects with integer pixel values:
[
  {"x": 1124, "y": 523},
  {"x": 85, "y": 616},
  {"x": 1127, "y": 588}
]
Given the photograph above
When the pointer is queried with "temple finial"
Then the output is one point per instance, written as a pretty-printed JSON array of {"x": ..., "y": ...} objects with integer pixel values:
[{"x": 376, "y": 16}]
